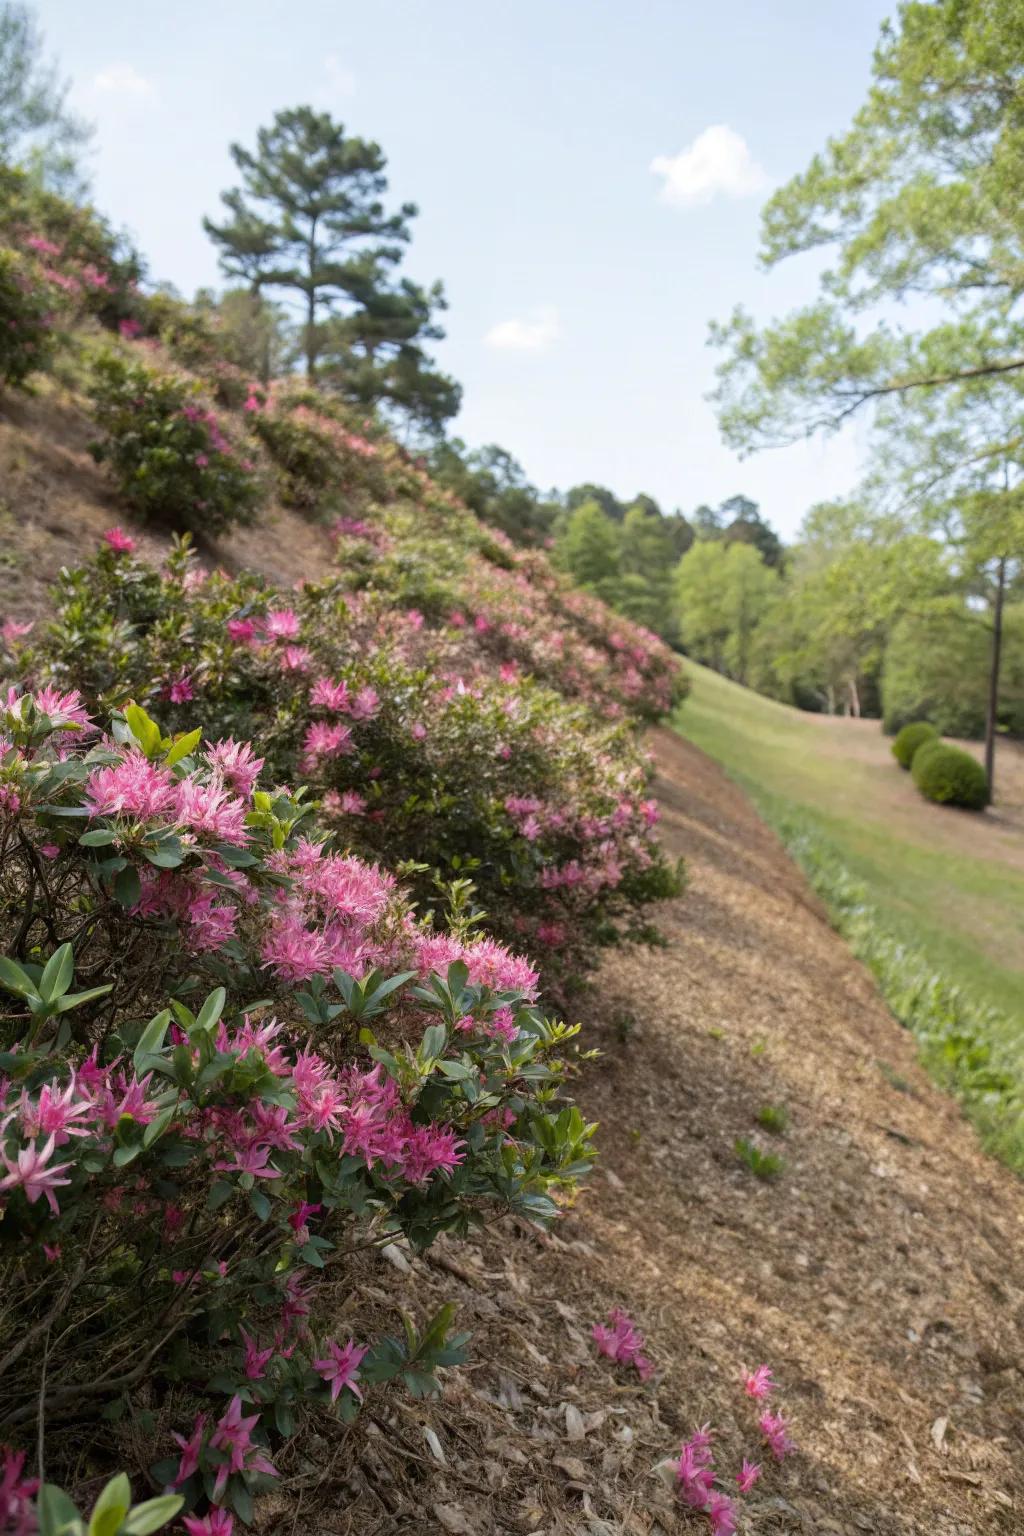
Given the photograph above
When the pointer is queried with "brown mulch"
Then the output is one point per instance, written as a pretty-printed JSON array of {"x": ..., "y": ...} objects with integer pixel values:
[{"x": 881, "y": 1275}]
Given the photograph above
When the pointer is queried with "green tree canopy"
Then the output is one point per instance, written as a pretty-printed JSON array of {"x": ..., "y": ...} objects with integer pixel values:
[
  {"x": 37, "y": 129},
  {"x": 589, "y": 548},
  {"x": 723, "y": 592}
]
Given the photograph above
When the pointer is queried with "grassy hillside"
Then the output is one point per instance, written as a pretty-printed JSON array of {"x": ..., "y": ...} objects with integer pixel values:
[{"x": 945, "y": 886}]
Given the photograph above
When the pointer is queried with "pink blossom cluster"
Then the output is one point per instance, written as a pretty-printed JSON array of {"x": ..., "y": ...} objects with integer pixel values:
[{"x": 620, "y": 1340}]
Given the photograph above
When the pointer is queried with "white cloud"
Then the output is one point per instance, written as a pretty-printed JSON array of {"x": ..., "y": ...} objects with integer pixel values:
[
  {"x": 122, "y": 80},
  {"x": 533, "y": 334},
  {"x": 717, "y": 163}
]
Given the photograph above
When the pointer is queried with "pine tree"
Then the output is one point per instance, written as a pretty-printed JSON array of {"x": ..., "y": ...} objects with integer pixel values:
[{"x": 308, "y": 218}]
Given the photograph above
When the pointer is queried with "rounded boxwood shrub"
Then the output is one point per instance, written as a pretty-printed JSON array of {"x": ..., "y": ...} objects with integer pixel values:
[
  {"x": 949, "y": 776},
  {"x": 910, "y": 738}
]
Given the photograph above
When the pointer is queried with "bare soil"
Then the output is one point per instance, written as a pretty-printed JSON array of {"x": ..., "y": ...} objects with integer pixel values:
[{"x": 881, "y": 1274}]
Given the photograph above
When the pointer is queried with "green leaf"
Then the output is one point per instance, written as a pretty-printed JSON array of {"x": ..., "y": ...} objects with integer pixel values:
[
  {"x": 14, "y": 979},
  {"x": 156, "y": 1127},
  {"x": 128, "y": 887},
  {"x": 211, "y": 1009},
  {"x": 146, "y": 731},
  {"x": 152, "y": 1037},
  {"x": 111, "y": 1507},
  {"x": 57, "y": 973},
  {"x": 151, "y": 1515},
  {"x": 183, "y": 745},
  {"x": 99, "y": 837},
  {"x": 76, "y": 999},
  {"x": 57, "y": 1515}
]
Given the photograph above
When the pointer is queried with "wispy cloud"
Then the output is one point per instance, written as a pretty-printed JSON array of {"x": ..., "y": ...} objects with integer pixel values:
[
  {"x": 122, "y": 80},
  {"x": 717, "y": 164},
  {"x": 535, "y": 333}
]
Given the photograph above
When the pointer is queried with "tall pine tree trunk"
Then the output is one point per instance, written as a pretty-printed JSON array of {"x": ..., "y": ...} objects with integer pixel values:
[{"x": 993, "y": 678}]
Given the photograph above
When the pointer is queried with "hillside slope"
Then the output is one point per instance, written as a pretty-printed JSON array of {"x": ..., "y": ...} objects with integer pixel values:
[{"x": 882, "y": 1275}]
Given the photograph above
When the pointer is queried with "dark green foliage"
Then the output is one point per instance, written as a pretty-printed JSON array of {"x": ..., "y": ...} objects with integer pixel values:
[
  {"x": 26, "y": 320},
  {"x": 950, "y": 777},
  {"x": 167, "y": 450},
  {"x": 909, "y": 739},
  {"x": 493, "y": 484},
  {"x": 937, "y": 664}
]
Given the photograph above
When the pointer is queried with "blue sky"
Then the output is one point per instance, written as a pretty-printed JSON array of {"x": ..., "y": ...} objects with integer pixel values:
[{"x": 589, "y": 175}]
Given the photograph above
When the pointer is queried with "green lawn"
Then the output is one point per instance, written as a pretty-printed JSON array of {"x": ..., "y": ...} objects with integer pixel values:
[{"x": 947, "y": 885}]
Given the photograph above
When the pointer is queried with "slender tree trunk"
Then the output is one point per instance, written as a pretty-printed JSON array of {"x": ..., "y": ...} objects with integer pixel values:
[
  {"x": 311, "y": 303},
  {"x": 854, "y": 699},
  {"x": 993, "y": 678}
]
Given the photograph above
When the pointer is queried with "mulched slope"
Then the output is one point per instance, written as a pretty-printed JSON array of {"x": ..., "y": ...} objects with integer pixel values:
[{"x": 882, "y": 1275}]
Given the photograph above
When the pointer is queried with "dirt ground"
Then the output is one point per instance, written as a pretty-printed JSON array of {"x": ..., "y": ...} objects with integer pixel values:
[{"x": 881, "y": 1275}]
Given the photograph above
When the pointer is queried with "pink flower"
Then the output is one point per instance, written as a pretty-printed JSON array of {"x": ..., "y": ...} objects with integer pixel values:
[
  {"x": 30, "y": 1170},
  {"x": 129, "y": 329},
  {"x": 620, "y": 1340},
  {"x": 282, "y": 624},
  {"x": 120, "y": 542},
  {"x": 11, "y": 631},
  {"x": 759, "y": 1383},
  {"x": 775, "y": 1430},
  {"x": 217, "y": 1523},
  {"x": 418, "y": 732},
  {"x": 49, "y": 850},
  {"x": 241, "y": 631},
  {"x": 325, "y": 741},
  {"x": 722, "y": 1513},
  {"x": 251, "y": 404},
  {"x": 209, "y": 809},
  {"x": 235, "y": 762},
  {"x": 296, "y": 658},
  {"x": 16, "y": 1492},
  {"x": 66, "y": 710},
  {"x": 365, "y": 704},
  {"x": 233, "y": 1434},
  {"x": 326, "y": 694},
  {"x": 747, "y": 1475},
  {"x": 256, "y": 1360},
  {"x": 502, "y": 1025},
  {"x": 341, "y": 1367},
  {"x": 190, "y": 1450},
  {"x": 694, "y": 1469},
  {"x": 180, "y": 690},
  {"x": 133, "y": 787}
]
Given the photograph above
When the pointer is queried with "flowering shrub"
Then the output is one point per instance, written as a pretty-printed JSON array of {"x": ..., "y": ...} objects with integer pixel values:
[
  {"x": 481, "y": 776},
  {"x": 25, "y": 1507},
  {"x": 321, "y": 465},
  {"x": 230, "y": 1057},
  {"x": 169, "y": 453},
  {"x": 28, "y": 310}
]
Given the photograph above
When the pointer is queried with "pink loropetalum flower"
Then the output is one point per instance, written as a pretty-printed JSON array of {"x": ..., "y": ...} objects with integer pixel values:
[
  {"x": 282, "y": 624},
  {"x": 16, "y": 1492},
  {"x": 241, "y": 631},
  {"x": 620, "y": 1340},
  {"x": 179, "y": 691},
  {"x": 31, "y": 1171},
  {"x": 760, "y": 1382},
  {"x": 694, "y": 1469},
  {"x": 296, "y": 658},
  {"x": 235, "y": 762},
  {"x": 120, "y": 542},
  {"x": 341, "y": 1367},
  {"x": 133, "y": 787},
  {"x": 217, "y": 1523},
  {"x": 747, "y": 1476},
  {"x": 190, "y": 1451},
  {"x": 233, "y": 1434},
  {"x": 11, "y": 631},
  {"x": 209, "y": 809},
  {"x": 776, "y": 1432},
  {"x": 326, "y": 741},
  {"x": 256, "y": 1360},
  {"x": 722, "y": 1513}
]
